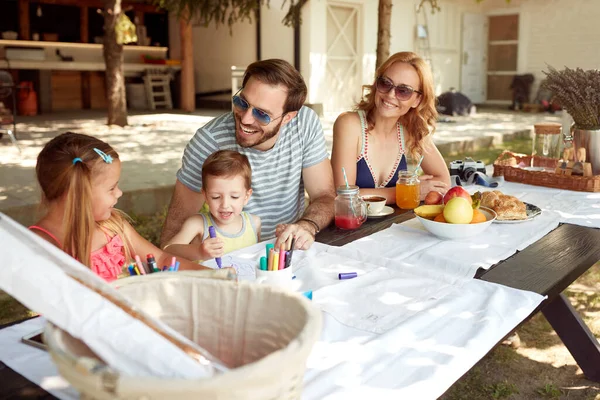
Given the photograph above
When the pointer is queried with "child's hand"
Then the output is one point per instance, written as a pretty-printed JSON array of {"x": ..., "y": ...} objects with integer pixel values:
[{"x": 212, "y": 248}]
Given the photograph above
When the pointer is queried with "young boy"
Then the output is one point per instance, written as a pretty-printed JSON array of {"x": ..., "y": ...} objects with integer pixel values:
[{"x": 226, "y": 186}]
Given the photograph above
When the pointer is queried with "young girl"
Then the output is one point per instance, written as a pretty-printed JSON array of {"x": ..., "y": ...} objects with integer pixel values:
[
  {"x": 79, "y": 177},
  {"x": 226, "y": 186}
]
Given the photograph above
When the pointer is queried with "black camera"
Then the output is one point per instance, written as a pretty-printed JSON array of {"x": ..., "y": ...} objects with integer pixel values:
[{"x": 465, "y": 168}]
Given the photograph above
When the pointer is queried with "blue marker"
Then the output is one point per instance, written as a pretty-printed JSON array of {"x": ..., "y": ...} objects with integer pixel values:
[
  {"x": 176, "y": 266},
  {"x": 213, "y": 234}
]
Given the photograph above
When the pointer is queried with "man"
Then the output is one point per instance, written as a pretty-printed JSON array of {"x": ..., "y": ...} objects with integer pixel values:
[{"x": 284, "y": 143}]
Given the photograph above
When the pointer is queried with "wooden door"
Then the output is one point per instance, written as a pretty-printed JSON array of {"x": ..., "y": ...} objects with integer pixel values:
[
  {"x": 473, "y": 67},
  {"x": 343, "y": 65},
  {"x": 503, "y": 46}
]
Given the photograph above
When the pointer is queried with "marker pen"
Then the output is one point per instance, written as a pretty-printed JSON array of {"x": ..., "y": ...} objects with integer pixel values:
[
  {"x": 269, "y": 247},
  {"x": 176, "y": 266},
  {"x": 263, "y": 263},
  {"x": 213, "y": 234},
  {"x": 288, "y": 259},
  {"x": 281, "y": 257},
  {"x": 347, "y": 275},
  {"x": 138, "y": 262},
  {"x": 152, "y": 263}
]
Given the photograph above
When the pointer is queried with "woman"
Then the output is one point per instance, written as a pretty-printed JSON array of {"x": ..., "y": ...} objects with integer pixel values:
[{"x": 393, "y": 122}]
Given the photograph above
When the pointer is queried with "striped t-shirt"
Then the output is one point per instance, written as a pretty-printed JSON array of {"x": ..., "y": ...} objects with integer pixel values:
[{"x": 277, "y": 186}]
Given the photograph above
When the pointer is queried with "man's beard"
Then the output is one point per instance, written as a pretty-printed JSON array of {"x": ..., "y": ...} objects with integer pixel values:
[{"x": 265, "y": 135}]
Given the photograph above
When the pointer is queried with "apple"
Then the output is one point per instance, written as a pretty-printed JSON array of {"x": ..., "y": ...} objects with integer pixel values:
[
  {"x": 457, "y": 191},
  {"x": 433, "y": 198},
  {"x": 458, "y": 211}
]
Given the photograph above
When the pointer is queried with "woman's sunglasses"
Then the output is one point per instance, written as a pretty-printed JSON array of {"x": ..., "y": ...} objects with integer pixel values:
[
  {"x": 259, "y": 115},
  {"x": 402, "y": 92}
]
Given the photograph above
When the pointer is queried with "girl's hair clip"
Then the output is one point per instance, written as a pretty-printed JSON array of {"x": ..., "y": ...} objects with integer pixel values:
[
  {"x": 107, "y": 159},
  {"x": 76, "y": 160}
]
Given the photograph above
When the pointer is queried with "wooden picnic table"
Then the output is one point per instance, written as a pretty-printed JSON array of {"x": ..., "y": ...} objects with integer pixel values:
[{"x": 546, "y": 267}]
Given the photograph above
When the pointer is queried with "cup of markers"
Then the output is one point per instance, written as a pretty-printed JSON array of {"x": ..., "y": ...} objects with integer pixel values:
[
  {"x": 139, "y": 268},
  {"x": 275, "y": 268}
]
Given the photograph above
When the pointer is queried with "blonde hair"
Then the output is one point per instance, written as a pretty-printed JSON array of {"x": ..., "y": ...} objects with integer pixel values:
[
  {"x": 419, "y": 121},
  {"x": 65, "y": 167}
]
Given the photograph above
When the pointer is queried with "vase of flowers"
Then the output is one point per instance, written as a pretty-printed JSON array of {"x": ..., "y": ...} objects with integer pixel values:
[{"x": 578, "y": 92}]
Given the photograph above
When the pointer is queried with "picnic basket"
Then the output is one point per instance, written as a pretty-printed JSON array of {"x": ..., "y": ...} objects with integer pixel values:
[
  {"x": 509, "y": 165},
  {"x": 262, "y": 333}
]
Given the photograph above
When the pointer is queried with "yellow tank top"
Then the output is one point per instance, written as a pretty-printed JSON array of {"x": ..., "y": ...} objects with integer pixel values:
[{"x": 244, "y": 238}]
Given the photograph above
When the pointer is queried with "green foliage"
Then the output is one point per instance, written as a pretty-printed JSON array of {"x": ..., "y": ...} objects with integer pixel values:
[
  {"x": 125, "y": 30},
  {"x": 550, "y": 391},
  {"x": 228, "y": 12},
  {"x": 502, "y": 390},
  {"x": 11, "y": 310},
  {"x": 149, "y": 226},
  {"x": 489, "y": 155}
]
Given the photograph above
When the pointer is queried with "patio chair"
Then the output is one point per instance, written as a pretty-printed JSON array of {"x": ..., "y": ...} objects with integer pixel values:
[{"x": 7, "y": 116}]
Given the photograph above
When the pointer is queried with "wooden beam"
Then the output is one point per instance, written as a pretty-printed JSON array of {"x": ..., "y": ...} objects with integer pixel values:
[
  {"x": 126, "y": 5},
  {"x": 84, "y": 25},
  {"x": 24, "y": 30},
  {"x": 86, "y": 93},
  {"x": 188, "y": 89}
]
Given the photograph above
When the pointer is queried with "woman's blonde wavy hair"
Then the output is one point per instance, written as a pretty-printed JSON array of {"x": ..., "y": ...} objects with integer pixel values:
[
  {"x": 58, "y": 176},
  {"x": 418, "y": 122}
]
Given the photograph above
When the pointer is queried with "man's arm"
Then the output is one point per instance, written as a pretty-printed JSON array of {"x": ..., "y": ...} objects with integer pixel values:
[
  {"x": 318, "y": 182},
  {"x": 184, "y": 204}
]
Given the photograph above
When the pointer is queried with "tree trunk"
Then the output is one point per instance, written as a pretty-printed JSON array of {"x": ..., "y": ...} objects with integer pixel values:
[
  {"x": 188, "y": 89},
  {"x": 383, "y": 31},
  {"x": 113, "y": 57}
]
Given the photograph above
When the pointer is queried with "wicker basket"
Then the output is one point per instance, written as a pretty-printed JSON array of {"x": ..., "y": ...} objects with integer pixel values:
[
  {"x": 264, "y": 334},
  {"x": 507, "y": 165}
]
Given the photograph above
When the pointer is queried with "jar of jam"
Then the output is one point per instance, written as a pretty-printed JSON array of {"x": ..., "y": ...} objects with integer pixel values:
[{"x": 408, "y": 188}]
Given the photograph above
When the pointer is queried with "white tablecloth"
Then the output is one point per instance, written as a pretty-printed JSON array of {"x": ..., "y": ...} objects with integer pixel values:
[
  {"x": 413, "y": 321},
  {"x": 398, "y": 330},
  {"x": 411, "y": 243}
]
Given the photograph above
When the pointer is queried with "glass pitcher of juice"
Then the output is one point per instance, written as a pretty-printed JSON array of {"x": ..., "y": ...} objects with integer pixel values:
[
  {"x": 350, "y": 209},
  {"x": 408, "y": 190}
]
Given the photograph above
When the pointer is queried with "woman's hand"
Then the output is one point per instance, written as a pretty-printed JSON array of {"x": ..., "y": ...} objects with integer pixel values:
[
  {"x": 428, "y": 185},
  {"x": 212, "y": 248}
]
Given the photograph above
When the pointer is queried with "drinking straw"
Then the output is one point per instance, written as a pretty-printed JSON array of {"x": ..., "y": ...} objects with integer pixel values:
[
  {"x": 348, "y": 187},
  {"x": 418, "y": 165},
  {"x": 345, "y": 178}
]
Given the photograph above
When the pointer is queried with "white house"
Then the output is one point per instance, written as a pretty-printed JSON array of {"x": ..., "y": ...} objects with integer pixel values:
[{"x": 474, "y": 47}]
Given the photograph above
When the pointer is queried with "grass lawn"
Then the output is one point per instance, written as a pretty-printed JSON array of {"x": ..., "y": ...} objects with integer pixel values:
[{"x": 541, "y": 368}]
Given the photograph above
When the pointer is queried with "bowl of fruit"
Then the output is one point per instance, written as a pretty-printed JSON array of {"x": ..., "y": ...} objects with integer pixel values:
[{"x": 458, "y": 215}]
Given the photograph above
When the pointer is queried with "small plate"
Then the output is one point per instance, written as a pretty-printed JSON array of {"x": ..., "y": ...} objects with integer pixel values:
[
  {"x": 384, "y": 212},
  {"x": 531, "y": 210}
]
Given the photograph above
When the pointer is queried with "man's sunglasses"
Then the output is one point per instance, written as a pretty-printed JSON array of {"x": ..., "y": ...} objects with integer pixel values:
[
  {"x": 262, "y": 117},
  {"x": 402, "y": 92}
]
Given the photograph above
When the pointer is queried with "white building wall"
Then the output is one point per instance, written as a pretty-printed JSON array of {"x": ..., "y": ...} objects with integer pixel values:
[
  {"x": 444, "y": 36},
  {"x": 557, "y": 32},
  {"x": 276, "y": 39},
  {"x": 216, "y": 49},
  {"x": 553, "y": 32},
  {"x": 313, "y": 47}
]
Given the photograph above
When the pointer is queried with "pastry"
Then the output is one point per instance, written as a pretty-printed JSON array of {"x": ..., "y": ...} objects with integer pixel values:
[{"x": 507, "y": 208}]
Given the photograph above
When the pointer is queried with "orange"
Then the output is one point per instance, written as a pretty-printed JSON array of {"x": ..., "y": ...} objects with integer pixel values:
[
  {"x": 440, "y": 218},
  {"x": 478, "y": 217}
]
